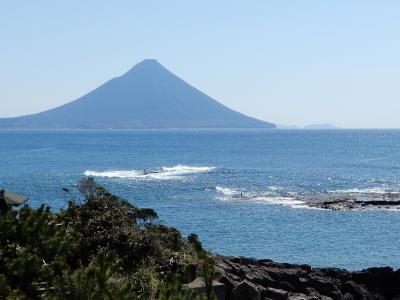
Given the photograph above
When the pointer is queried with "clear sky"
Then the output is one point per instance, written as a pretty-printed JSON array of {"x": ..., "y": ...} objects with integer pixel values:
[{"x": 288, "y": 62}]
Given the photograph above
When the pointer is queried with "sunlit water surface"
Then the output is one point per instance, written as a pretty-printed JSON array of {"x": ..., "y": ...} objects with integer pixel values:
[{"x": 204, "y": 173}]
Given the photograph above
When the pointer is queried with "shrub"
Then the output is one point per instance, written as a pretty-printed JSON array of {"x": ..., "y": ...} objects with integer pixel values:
[
  {"x": 101, "y": 247},
  {"x": 194, "y": 240}
]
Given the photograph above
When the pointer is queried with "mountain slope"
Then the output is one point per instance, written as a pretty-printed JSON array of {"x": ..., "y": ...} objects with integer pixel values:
[{"x": 147, "y": 96}]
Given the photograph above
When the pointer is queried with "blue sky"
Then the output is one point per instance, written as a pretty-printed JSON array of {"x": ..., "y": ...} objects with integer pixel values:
[{"x": 290, "y": 62}]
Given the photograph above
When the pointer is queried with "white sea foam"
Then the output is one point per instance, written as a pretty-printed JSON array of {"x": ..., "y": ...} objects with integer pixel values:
[
  {"x": 114, "y": 174},
  {"x": 226, "y": 191},
  {"x": 274, "y": 196},
  {"x": 264, "y": 198},
  {"x": 285, "y": 201},
  {"x": 164, "y": 173},
  {"x": 275, "y": 188},
  {"x": 375, "y": 190}
]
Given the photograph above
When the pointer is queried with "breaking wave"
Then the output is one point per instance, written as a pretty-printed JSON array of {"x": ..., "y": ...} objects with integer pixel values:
[
  {"x": 348, "y": 199},
  {"x": 278, "y": 200},
  {"x": 163, "y": 173},
  {"x": 226, "y": 191},
  {"x": 375, "y": 190},
  {"x": 264, "y": 198}
]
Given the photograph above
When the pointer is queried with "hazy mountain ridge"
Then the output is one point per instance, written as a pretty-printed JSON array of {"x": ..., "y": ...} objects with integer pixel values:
[
  {"x": 321, "y": 126},
  {"x": 147, "y": 96},
  {"x": 308, "y": 127}
]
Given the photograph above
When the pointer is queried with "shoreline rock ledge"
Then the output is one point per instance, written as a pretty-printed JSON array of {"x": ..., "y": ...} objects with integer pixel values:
[{"x": 252, "y": 279}]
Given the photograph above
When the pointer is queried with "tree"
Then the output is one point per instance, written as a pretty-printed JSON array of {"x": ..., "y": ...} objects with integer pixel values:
[{"x": 100, "y": 248}]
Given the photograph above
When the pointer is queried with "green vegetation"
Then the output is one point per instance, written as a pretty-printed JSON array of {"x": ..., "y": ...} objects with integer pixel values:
[{"x": 99, "y": 247}]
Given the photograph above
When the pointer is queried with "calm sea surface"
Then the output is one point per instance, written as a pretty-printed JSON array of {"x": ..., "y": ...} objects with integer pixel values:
[{"x": 240, "y": 191}]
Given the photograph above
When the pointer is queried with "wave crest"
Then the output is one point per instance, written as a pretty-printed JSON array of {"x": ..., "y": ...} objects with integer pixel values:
[
  {"x": 374, "y": 190},
  {"x": 264, "y": 198},
  {"x": 164, "y": 173},
  {"x": 226, "y": 191}
]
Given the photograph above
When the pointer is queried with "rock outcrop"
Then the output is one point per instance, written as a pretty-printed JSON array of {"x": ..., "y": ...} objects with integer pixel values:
[
  {"x": 352, "y": 204},
  {"x": 246, "y": 278},
  {"x": 368, "y": 199}
]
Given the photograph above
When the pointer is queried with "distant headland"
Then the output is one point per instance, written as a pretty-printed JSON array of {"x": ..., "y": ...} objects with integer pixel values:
[
  {"x": 148, "y": 96},
  {"x": 310, "y": 126}
]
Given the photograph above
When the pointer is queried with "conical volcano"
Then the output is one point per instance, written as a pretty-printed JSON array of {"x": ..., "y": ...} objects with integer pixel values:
[{"x": 147, "y": 96}]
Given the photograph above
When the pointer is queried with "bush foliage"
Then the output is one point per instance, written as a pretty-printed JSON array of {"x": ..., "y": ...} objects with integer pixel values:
[{"x": 99, "y": 247}]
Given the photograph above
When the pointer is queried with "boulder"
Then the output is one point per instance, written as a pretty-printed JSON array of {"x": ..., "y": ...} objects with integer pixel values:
[
  {"x": 245, "y": 290},
  {"x": 386, "y": 280},
  {"x": 357, "y": 290},
  {"x": 252, "y": 278},
  {"x": 200, "y": 287},
  {"x": 300, "y": 296},
  {"x": 277, "y": 294},
  {"x": 230, "y": 284},
  {"x": 324, "y": 285}
]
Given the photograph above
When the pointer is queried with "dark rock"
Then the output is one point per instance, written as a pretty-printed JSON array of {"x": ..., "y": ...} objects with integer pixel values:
[
  {"x": 340, "y": 274},
  {"x": 230, "y": 284},
  {"x": 199, "y": 286},
  {"x": 287, "y": 286},
  {"x": 357, "y": 290},
  {"x": 311, "y": 292},
  {"x": 262, "y": 261},
  {"x": 277, "y": 294},
  {"x": 348, "y": 296},
  {"x": 324, "y": 285},
  {"x": 299, "y": 296},
  {"x": 336, "y": 295},
  {"x": 380, "y": 279},
  {"x": 287, "y": 279},
  {"x": 355, "y": 201},
  {"x": 245, "y": 290},
  {"x": 379, "y": 296},
  {"x": 322, "y": 297},
  {"x": 261, "y": 278},
  {"x": 248, "y": 261},
  {"x": 272, "y": 280}
]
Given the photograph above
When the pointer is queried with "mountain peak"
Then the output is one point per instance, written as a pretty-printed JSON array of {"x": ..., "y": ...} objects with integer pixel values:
[
  {"x": 149, "y": 65},
  {"x": 147, "y": 96},
  {"x": 149, "y": 61}
]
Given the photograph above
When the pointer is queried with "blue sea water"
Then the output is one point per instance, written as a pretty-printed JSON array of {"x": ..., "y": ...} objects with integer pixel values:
[{"x": 205, "y": 172}]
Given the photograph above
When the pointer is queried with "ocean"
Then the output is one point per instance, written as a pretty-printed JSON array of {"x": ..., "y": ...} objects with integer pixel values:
[{"x": 242, "y": 191}]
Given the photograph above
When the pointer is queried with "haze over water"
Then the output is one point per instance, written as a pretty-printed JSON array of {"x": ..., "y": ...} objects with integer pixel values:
[{"x": 204, "y": 173}]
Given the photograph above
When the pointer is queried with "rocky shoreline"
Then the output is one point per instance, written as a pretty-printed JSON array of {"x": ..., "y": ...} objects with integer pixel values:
[
  {"x": 355, "y": 201},
  {"x": 263, "y": 279},
  {"x": 351, "y": 204}
]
